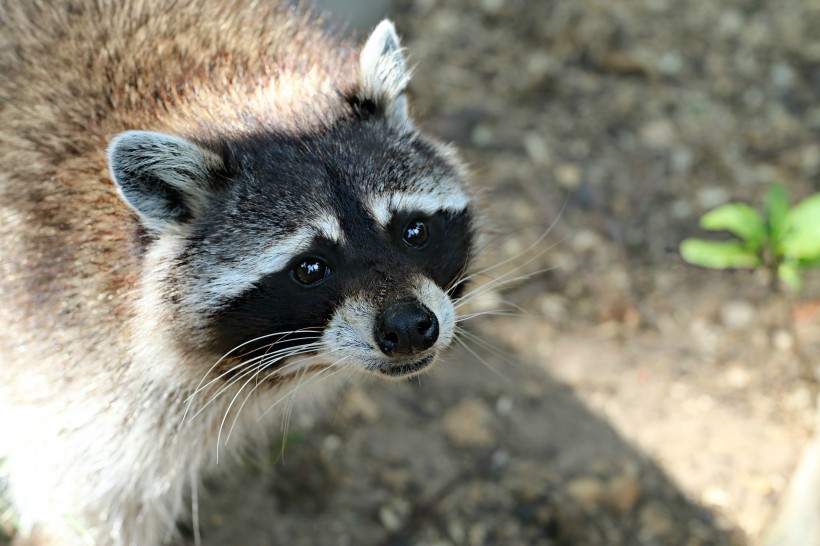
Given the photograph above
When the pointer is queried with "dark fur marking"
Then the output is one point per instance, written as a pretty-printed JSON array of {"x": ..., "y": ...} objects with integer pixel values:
[
  {"x": 278, "y": 182},
  {"x": 379, "y": 265},
  {"x": 365, "y": 107}
]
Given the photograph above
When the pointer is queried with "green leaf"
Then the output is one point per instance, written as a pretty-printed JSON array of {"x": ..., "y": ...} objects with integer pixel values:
[
  {"x": 790, "y": 275},
  {"x": 806, "y": 264},
  {"x": 800, "y": 238},
  {"x": 737, "y": 218},
  {"x": 718, "y": 254},
  {"x": 777, "y": 205}
]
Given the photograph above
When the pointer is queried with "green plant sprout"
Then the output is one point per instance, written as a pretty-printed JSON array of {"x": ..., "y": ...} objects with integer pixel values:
[{"x": 786, "y": 241}]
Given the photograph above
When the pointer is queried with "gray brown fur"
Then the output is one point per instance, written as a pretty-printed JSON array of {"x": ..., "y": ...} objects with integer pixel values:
[{"x": 75, "y": 74}]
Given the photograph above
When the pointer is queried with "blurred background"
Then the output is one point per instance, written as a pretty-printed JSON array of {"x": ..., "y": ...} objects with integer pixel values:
[
  {"x": 631, "y": 398},
  {"x": 608, "y": 393}
]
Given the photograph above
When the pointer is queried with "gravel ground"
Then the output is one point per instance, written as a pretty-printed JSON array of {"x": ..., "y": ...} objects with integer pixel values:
[{"x": 632, "y": 400}]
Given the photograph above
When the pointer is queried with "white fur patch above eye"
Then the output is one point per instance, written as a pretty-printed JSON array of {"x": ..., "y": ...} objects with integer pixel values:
[
  {"x": 382, "y": 207},
  {"x": 228, "y": 280},
  {"x": 329, "y": 228}
]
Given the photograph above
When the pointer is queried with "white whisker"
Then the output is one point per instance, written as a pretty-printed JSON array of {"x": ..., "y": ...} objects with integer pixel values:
[
  {"x": 257, "y": 364},
  {"x": 497, "y": 283},
  {"x": 515, "y": 256},
  {"x": 242, "y": 364},
  {"x": 478, "y": 340},
  {"x": 492, "y": 313},
  {"x": 256, "y": 377},
  {"x": 226, "y": 355},
  {"x": 466, "y": 346},
  {"x": 312, "y": 378}
]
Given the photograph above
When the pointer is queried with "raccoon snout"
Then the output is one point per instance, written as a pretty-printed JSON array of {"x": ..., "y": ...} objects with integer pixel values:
[{"x": 405, "y": 328}]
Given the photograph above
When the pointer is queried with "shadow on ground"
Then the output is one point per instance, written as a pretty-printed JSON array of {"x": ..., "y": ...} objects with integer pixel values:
[{"x": 473, "y": 453}]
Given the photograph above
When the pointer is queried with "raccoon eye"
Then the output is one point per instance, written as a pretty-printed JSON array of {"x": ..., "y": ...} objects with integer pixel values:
[
  {"x": 310, "y": 271},
  {"x": 415, "y": 233}
]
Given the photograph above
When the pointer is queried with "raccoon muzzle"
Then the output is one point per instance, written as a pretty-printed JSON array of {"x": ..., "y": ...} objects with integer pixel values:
[{"x": 406, "y": 328}]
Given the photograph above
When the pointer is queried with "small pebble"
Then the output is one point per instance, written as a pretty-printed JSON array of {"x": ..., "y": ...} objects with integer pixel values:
[
  {"x": 482, "y": 136},
  {"x": 468, "y": 424},
  {"x": 715, "y": 496},
  {"x": 332, "y": 442},
  {"x": 504, "y": 405},
  {"x": 536, "y": 148},
  {"x": 737, "y": 314},
  {"x": 588, "y": 492},
  {"x": 622, "y": 493},
  {"x": 783, "y": 340},
  {"x": 655, "y": 522},
  {"x": 389, "y": 518},
  {"x": 568, "y": 175},
  {"x": 709, "y": 198},
  {"x": 658, "y": 134}
]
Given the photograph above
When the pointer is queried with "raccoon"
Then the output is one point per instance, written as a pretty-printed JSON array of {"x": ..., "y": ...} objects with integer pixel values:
[{"x": 206, "y": 208}]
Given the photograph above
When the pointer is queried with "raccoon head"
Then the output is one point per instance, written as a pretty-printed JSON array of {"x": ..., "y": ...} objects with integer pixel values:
[{"x": 343, "y": 244}]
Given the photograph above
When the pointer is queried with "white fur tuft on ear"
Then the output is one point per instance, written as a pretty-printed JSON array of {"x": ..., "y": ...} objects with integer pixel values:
[
  {"x": 383, "y": 76},
  {"x": 164, "y": 178}
]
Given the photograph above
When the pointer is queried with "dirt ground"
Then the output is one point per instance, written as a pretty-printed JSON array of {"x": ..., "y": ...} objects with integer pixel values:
[{"x": 630, "y": 400}]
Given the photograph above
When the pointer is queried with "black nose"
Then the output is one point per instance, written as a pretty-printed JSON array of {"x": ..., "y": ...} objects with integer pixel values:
[{"x": 406, "y": 327}]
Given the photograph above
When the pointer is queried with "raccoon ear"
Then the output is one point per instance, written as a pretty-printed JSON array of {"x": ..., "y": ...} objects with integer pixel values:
[
  {"x": 383, "y": 76},
  {"x": 164, "y": 178}
]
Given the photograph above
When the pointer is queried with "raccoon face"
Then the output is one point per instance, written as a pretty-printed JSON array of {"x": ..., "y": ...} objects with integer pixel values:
[{"x": 342, "y": 246}]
